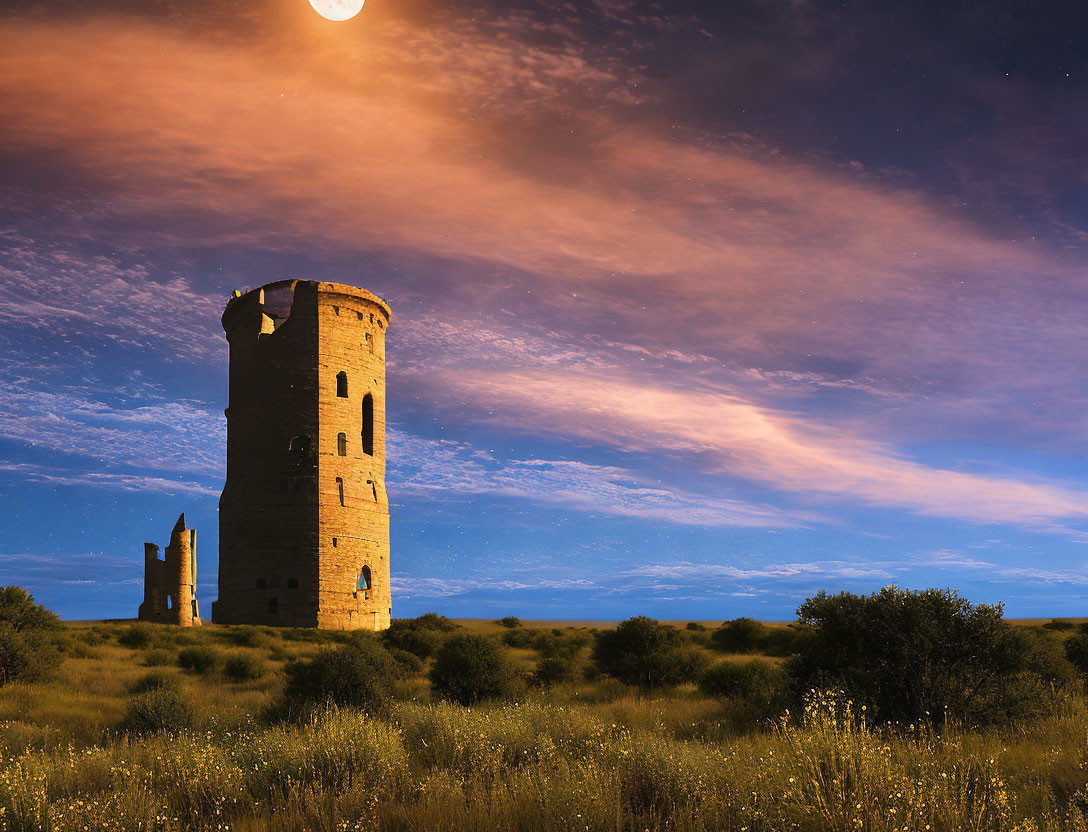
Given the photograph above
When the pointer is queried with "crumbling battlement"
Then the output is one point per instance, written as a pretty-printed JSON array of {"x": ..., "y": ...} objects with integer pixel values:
[
  {"x": 170, "y": 584},
  {"x": 304, "y": 518}
]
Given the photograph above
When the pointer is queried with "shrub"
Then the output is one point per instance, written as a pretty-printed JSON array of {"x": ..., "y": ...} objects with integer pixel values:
[
  {"x": 26, "y": 655},
  {"x": 158, "y": 658},
  {"x": 409, "y": 662},
  {"x": 520, "y": 638},
  {"x": 641, "y": 651},
  {"x": 199, "y": 659},
  {"x": 138, "y": 636},
  {"x": 510, "y": 621},
  {"x": 1076, "y": 651},
  {"x": 243, "y": 667},
  {"x": 156, "y": 680},
  {"x": 469, "y": 668},
  {"x": 754, "y": 682},
  {"x": 694, "y": 625},
  {"x": 1059, "y": 624},
  {"x": 923, "y": 655},
  {"x": 246, "y": 637},
  {"x": 357, "y": 675},
  {"x": 19, "y": 612},
  {"x": 780, "y": 641},
  {"x": 551, "y": 670},
  {"x": 741, "y": 635},
  {"x": 164, "y": 709},
  {"x": 421, "y": 636}
]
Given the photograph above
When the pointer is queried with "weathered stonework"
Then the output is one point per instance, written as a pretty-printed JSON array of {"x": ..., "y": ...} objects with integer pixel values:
[
  {"x": 170, "y": 584},
  {"x": 303, "y": 518}
]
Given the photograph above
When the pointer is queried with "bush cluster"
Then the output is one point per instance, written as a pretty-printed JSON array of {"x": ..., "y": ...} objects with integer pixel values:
[
  {"x": 422, "y": 636},
  {"x": 30, "y": 637},
  {"x": 199, "y": 659},
  {"x": 644, "y": 652},
  {"x": 356, "y": 674},
  {"x": 469, "y": 668}
]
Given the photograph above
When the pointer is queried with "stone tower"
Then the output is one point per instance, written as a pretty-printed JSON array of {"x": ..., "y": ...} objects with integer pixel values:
[
  {"x": 303, "y": 518},
  {"x": 170, "y": 584}
]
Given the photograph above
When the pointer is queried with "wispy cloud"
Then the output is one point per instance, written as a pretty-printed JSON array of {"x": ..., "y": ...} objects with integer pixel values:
[{"x": 117, "y": 482}]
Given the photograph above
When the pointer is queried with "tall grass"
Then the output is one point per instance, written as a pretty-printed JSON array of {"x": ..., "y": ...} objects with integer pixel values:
[{"x": 541, "y": 766}]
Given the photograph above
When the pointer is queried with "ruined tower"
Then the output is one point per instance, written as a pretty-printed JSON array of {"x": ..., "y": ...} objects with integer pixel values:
[
  {"x": 170, "y": 584},
  {"x": 303, "y": 518}
]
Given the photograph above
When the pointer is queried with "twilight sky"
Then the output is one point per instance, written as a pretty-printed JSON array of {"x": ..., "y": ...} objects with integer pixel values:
[{"x": 698, "y": 307}]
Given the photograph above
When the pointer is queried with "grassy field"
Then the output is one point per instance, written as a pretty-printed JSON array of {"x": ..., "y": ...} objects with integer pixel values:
[{"x": 591, "y": 755}]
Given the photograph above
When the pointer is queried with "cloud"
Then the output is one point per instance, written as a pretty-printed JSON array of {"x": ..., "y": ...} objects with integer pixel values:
[
  {"x": 426, "y": 468},
  {"x": 117, "y": 482},
  {"x": 729, "y": 435}
]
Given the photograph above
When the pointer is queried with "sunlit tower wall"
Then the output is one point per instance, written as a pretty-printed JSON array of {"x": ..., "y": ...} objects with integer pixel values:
[{"x": 304, "y": 518}]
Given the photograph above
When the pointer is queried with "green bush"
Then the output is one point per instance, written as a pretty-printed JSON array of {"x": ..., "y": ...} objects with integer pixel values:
[
  {"x": 644, "y": 652},
  {"x": 754, "y": 682},
  {"x": 469, "y": 668},
  {"x": 163, "y": 709},
  {"x": 246, "y": 636},
  {"x": 409, "y": 662},
  {"x": 520, "y": 638},
  {"x": 19, "y": 612},
  {"x": 199, "y": 659},
  {"x": 139, "y": 636},
  {"x": 1059, "y": 624},
  {"x": 357, "y": 674},
  {"x": 422, "y": 636},
  {"x": 912, "y": 656},
  {"x": 27, "y": 655},
  {"x": 510, "y": 621},
  {"x": 780, "y": 641},
  {"x": 551, "y": 670},
  {"x": 741, "y": 635},
  {"x": 694, "y": 625},
  {"x": 243, "y": 667},
  {"x": 1076, "y": 651},
  {"x": 159, "y": 658},
  {"x": 156, "y": 680}
]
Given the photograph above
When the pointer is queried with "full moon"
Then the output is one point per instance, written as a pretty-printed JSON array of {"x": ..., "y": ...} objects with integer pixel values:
[{"x": 337, "y": 9}]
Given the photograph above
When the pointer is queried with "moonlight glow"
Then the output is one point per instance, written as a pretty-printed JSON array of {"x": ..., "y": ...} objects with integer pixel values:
[{"x": 337, "y": 9}]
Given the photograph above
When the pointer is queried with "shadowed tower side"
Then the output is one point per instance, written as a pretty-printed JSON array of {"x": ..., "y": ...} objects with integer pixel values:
[{"x": 303, "y": 518}]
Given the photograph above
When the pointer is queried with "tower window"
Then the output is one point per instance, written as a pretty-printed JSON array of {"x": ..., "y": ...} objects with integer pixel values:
[
  {"x": 300, "y": 444},
  {"x": 364, "y": 578},
  {"x": 342, "y": 444},
  {"x": 335, "y": 543},
  {"x": 273, "y": 606},
  {"x": 340, "y": 488},
  {"x": 368, "y": 424},
  {"x": 373, "y": 489},
  {"x": 342, "y": 385}
]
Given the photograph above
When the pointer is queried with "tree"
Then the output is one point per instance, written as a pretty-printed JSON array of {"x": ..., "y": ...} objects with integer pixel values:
[
  {"x": 741, "y": 635},
  {"x": 469, "y": 668},
  {"x": 756, "y": 682},
  {"x": 922, "y": 655},
  {"x": 18, "y": 611},
  {"x": 422, "y": 635},
  {"x": 28, "y": 637},
  {"x": 641, "y": 651}
]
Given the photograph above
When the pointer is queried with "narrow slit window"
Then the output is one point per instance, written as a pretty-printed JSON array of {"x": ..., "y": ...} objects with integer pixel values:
[
  {"x": 373, "y": 489},
  {"x": 340, "y": 488},
  {"x": 342, "y": 385},
  {"x": 341, "y": 444},
  {"x": 368, "y": 424},
  {"x": 273, "y": 606}
]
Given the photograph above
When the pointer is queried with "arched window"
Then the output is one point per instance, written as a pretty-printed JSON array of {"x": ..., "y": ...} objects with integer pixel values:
[
  {"x": 342, "y": 384},
  {"x": 342, "y": 444},
  {"x": 364, "y": 578},
  {"x": 368, "y": 424},
  {"x": 300, "y": 444},
  {"x": 273, "y": 606},
  {"x": 340, "y": 487}
]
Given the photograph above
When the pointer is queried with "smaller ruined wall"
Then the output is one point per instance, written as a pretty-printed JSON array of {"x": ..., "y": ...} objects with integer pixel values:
[{"x": 170, "y": 584}]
